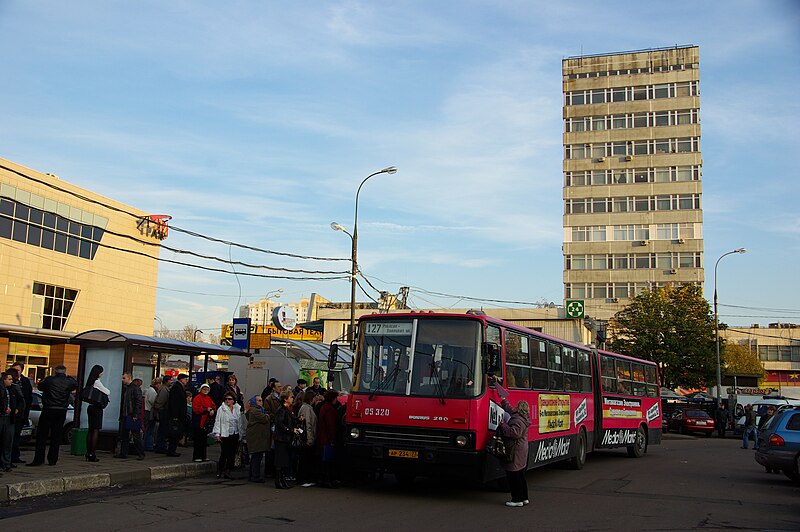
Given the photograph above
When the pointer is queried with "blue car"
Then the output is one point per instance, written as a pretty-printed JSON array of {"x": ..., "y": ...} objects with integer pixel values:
[{"x": 779, "y": 443}]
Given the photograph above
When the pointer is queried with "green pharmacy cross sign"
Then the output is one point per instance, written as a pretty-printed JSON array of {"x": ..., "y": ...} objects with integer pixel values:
[{"x": 574, "y": 308}]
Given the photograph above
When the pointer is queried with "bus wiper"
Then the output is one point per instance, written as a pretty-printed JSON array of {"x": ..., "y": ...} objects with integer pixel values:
[
  {"x": 439, "y": 386},
  {"x": 392, "y": 376}
]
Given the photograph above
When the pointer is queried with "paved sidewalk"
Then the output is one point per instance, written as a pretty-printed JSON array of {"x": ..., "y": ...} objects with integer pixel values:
[{"x": 74, "y": 473}]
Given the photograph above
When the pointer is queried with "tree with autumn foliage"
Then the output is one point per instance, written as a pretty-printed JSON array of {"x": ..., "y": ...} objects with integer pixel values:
[
  {"x": 673, "y": 326},
  {"x": 741, "y": 360}
]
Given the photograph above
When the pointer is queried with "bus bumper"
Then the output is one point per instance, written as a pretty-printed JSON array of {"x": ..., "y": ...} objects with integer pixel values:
[{"x": 417, "y": 460}]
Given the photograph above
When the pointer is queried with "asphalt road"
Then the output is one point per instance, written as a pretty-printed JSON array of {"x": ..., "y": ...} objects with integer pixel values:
[{"x": 682, "y": 484}]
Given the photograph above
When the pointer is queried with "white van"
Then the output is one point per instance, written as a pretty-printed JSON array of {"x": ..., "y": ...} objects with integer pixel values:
[{"x": 760, "y": 407}]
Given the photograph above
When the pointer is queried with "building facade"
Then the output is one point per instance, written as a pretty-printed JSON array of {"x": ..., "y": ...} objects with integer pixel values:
[
  {"x": 632, "y": 191},
  {"x": 70, "y": 261},
  {"x": 778, "y": 349}
]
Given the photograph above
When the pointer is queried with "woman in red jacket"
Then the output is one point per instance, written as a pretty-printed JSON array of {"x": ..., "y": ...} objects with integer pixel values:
[
  {"x": 203, "y": 410},
  {"x": 327, "y": 428}
]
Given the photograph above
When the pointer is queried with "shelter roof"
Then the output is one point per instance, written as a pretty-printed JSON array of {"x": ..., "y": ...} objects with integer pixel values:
[{"x": 163, "y": 345}]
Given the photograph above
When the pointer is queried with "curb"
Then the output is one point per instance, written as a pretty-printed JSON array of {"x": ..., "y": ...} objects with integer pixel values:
[{"x": 55, "y": 486}]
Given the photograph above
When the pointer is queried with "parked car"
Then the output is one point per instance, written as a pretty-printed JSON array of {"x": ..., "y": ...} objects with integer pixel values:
[
  {"x": 671, "y": 401},
  {"x": 760, "y": 408},
  {"x": 779, "y": 443},
  {"x": 36, "y": 411},
  {"x": 691, "y": 420},
  {"x": 27, "y": 431}
]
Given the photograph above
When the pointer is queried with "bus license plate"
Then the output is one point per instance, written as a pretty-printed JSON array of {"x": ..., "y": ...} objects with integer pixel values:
[{"x": 400, "y": 453}]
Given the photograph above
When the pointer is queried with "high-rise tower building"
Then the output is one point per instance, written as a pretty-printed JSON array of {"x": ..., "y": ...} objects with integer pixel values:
[{"x": 633, "y": 217}]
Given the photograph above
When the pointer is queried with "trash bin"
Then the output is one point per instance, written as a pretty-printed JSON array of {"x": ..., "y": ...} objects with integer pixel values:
[{"x": 79, "y": 441}]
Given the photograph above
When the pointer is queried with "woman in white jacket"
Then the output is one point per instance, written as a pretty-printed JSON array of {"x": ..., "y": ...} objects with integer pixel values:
[{"x": 228, "y": 426}]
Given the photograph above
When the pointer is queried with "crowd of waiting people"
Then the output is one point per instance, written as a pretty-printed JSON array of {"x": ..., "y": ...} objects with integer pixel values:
[{"x": 289, "y": 434}]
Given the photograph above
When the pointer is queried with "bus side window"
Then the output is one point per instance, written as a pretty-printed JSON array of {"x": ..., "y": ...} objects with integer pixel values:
[
  {"x": 554, "y": 365},
  {"x": 609, "y": 373},
  {"x": 539, "y": 364},
  {"x": 518, "y": 377},
  {"x": 539, "y": 378},
  {"x": 586, "y": 383},
  {"x": 585, "y": 370}
]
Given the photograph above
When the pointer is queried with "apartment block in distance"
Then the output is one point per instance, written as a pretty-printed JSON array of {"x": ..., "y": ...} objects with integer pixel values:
[
  {"x": 71, "y": 260},
  {"x": 633, "y": 216}
]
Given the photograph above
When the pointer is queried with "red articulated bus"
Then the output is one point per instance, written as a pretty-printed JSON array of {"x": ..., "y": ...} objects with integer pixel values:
[{"x": 424, "y": 400}]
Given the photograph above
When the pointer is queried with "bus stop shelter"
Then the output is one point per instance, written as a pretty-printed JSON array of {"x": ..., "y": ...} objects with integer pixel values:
[{"x": 144, "y": 357}]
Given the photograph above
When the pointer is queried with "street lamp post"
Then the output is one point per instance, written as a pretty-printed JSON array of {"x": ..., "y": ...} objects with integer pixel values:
[
  {"x": 354, "y": 254},
  {"x": 716, "y": 320},
  {"x": 276, "y": 294},
  {"x": 156, "y": 318}
]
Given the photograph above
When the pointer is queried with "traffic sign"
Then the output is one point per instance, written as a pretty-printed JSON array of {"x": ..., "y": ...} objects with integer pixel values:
[
  {"x": 241, "y": 333},
  {"x": 574, "y": 308}
]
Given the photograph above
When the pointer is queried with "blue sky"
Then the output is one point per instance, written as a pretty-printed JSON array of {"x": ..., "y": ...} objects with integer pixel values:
[{"x": 255, "y": 121}]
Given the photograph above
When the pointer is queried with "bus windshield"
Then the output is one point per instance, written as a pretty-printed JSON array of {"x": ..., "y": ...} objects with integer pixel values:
[{"x": 421, "y": 357}]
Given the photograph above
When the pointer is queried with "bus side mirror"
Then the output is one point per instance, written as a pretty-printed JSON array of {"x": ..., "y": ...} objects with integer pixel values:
[
  {"x": 333, "y": 354},
  {"x": 491, "y": 358}
]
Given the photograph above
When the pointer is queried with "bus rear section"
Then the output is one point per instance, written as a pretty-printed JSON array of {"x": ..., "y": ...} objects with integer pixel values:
[{"x": 628, "y": 404}]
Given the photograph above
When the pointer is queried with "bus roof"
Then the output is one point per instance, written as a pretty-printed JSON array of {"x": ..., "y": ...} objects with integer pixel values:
[
  {"x": 632, "y": 359},
  {"x": 496, "y": 321}
]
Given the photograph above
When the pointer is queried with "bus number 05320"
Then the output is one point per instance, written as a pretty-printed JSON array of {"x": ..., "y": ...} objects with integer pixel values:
[{"x": 376, "y": 412}]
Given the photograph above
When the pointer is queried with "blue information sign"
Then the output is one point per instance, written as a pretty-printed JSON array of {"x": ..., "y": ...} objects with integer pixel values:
[{"x": 240, "y": 336}]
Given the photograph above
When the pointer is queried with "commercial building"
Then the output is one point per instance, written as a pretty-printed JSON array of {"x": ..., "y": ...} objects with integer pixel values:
[
  {"x": 632, "y": 192},
  {"x": 70, "y": 261},
  {"x": 778, "y": 349}
]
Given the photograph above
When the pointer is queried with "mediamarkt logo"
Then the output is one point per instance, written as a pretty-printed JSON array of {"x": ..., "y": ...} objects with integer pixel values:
[
  {"x": 620, "y": 437},
  {"x": 552, "y": 449}
]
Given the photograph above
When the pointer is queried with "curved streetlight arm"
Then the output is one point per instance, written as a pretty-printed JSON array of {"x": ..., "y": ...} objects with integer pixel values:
[
  {"x": 389, "y": 170},
  {"x": 354, "y": 255},
  {"x": 716, "y": 321}
]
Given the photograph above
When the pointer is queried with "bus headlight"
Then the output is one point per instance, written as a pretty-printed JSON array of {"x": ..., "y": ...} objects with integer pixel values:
[
  {"x": 355, "y": 433},
  {"x": 461, "y": 440}
]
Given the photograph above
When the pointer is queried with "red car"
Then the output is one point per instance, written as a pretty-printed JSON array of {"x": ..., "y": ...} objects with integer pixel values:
[{"x": 686, "y": 421}]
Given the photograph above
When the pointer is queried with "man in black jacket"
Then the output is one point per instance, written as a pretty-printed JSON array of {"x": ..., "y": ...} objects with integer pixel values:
[
  {"x": 176, "y": 413},
  {"x": 130, "y": 418},
  {"x": 22, "y": 419},
  {"x": 56, "y": 390},
  {"x": 8, "y": 410},
  {"x": 217, "y": 390}
]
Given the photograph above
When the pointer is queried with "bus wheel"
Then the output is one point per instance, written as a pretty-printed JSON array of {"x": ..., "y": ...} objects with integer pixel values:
[
  {"x": 638, "y": 449},
  {"x": 405, "y": 478},
  {"x": 577, "y": 462}
]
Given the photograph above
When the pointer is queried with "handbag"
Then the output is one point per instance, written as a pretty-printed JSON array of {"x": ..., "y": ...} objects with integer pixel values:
[
  {"x": 95, "y": 397},
  {"x": 497, "y": 447},
  {"x": 134, "y": 425},
  {"x": 242, "y": 456},
  {"x": 297, "y": 441}
]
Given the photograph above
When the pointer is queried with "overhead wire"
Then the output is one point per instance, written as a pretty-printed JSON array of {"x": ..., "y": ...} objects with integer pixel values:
[
  {"x": 171, "y": 227},
  {"x": 284, "y": 254}
]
